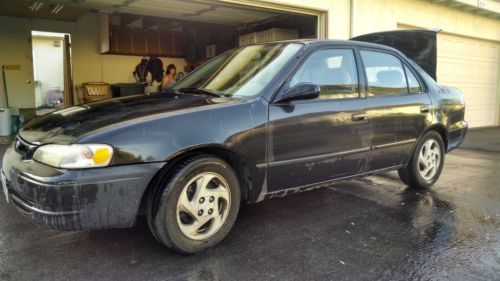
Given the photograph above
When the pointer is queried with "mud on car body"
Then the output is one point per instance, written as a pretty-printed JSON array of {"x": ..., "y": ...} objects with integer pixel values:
[{"x": 256, "y": 122}]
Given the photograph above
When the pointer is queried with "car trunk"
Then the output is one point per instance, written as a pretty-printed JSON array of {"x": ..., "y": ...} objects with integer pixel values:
[{"x": 418, "y": 45}]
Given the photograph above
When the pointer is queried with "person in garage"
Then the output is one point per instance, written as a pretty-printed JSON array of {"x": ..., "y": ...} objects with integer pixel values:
[{"x": 169, "y": 78}]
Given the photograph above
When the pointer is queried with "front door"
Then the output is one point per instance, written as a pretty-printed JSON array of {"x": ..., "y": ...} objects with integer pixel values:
[{"x": 312, "y": 141}]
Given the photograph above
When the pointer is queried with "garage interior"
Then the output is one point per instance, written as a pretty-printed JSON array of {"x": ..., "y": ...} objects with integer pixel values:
[{"x": 183, "y": 33}]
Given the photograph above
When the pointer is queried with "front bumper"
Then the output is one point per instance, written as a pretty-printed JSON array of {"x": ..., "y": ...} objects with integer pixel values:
[{"x": 76, "y": 199}]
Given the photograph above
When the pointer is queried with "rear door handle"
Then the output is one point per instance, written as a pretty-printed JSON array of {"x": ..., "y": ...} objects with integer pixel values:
[
  {"x": 359, "y": 117},
  {"x": 425, "y": 109}
]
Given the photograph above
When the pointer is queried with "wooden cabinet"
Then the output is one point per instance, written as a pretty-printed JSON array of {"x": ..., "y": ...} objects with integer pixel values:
[
  {"x": 166, "y": 46},
  {"x": 123, "y": 40},
  {"x": 120, "y": 41},
  {"x": 138, "y": 41},
  {"x": 172, "y": 43},
  {"x": 153, "y": 42},
  {"x": 177, "y": 44}
]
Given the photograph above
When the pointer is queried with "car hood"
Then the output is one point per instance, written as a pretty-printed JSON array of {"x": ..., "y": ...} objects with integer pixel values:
[{"x": 66, "y": 125}]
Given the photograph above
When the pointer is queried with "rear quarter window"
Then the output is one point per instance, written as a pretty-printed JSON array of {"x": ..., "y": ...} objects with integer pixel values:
[{"x": 413, "y": 84}]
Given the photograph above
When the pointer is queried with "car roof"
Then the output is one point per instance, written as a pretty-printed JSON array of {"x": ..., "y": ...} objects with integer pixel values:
[{"x": 335, "y": 42}]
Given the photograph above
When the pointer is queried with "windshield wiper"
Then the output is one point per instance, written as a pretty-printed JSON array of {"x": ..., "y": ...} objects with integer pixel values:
[
  {"x": 169, "y": 90},
  {"x": 202, "y": 91}
]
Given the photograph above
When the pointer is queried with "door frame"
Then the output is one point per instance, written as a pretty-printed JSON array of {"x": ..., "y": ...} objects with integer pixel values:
[{"x": 68, "y": 97}]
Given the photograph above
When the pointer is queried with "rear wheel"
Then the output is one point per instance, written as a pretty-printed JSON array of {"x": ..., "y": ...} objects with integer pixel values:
[
  {"x": 196, "y": 205},
  {"x": 426, "y": 163}
]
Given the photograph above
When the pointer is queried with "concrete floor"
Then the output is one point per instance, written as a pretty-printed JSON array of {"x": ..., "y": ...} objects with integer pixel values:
[{"x": 368, "y": 229}]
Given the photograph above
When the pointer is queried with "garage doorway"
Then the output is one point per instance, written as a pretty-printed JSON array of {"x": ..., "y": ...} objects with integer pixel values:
[{"x": 52, "y": 71}]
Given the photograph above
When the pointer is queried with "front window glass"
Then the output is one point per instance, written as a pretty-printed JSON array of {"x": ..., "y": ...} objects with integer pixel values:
[
  {"x": 333, "y": 70},
  {"x": 241, "y": 72}
]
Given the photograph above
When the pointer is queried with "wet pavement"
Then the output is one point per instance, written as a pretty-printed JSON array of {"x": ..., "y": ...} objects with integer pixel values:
[{"x": 373, "y": 228}]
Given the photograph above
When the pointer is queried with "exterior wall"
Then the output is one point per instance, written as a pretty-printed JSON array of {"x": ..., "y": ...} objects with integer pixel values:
[
  {"x": 88, "y": 64},
  {"x": 374, "y": 16}
]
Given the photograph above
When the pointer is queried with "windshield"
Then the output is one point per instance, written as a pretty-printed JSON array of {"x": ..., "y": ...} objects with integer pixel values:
[{"x": 240, "y": 72}]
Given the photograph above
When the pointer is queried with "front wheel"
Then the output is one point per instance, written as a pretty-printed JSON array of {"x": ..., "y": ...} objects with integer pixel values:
[
  {"x": 426, "y": 163},
  {"x": 197, "y": 205}
]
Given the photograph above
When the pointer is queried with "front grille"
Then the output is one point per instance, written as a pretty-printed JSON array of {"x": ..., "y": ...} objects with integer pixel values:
[{"x": 24, "y": 148}]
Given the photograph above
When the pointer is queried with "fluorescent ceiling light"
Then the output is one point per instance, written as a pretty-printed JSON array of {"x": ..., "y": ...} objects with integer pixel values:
[
  {"x": 35, "y": 6},
  {"x": 57, "y": 8}
]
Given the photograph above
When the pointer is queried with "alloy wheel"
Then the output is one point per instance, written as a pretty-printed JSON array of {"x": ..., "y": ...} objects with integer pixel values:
[
  {"x": 429, "y": 159},
  {"x": 203, "y": 206}
]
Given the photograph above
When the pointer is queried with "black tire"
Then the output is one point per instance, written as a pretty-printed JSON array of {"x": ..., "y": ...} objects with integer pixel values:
[
  {"x": 162, "y": 204},
  {"x": 410, "y": 175}
]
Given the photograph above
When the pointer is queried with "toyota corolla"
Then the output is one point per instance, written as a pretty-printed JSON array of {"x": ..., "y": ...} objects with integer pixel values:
[{"x": 256, "y": 122}]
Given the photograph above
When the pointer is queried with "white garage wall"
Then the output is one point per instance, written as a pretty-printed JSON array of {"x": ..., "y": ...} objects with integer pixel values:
[{"x": 374, "y": 16}]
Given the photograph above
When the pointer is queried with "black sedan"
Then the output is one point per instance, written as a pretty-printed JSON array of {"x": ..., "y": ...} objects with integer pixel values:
[{"x": 256, "y": 122}]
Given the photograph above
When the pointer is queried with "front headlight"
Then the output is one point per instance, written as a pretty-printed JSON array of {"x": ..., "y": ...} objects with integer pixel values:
[{"x": 75, "y": 156}]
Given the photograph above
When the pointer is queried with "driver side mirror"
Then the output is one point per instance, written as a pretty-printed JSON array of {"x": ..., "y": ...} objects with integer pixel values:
[{"x": 302, "y": 91}]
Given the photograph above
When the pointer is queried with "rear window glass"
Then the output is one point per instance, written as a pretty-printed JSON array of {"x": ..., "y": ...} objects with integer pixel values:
[{"x": 385, "y": 74}]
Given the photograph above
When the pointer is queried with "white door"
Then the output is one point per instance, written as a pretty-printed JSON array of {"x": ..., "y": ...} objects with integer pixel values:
[{"x": 471, "y": 65}]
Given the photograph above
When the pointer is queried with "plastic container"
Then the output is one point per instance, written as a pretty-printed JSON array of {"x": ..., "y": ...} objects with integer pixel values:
[
  {"x": 16, "y": 124},
  {"x": 5, "y": 120}
]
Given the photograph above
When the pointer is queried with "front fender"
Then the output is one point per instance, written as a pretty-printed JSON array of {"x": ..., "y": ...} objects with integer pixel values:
[{"x": 238, "y": 127}]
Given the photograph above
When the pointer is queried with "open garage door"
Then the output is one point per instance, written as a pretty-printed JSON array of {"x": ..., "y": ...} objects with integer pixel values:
[{"x": 472, "y": 66}]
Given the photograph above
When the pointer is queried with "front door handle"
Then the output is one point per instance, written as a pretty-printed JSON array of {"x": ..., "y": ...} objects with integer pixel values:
[{"x": 359, "y": 117}]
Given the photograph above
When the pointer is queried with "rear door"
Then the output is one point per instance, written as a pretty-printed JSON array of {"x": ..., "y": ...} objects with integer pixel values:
[
  {"x": 399, "y": 108},
  {"x": 312, "y": 141}
]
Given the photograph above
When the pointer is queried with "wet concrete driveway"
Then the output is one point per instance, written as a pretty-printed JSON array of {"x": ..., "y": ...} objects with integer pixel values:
[{"x": 368, "y": 229}]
